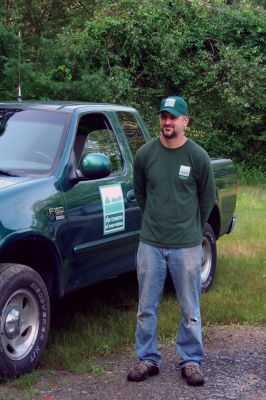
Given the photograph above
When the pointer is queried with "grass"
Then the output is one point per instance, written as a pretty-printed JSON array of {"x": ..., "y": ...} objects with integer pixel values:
[
  {"x": 238, "y": 294},
  {"x": 100, "y": 320}
]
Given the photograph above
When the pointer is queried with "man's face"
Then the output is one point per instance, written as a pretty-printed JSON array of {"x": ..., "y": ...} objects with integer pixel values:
[{"x": 171, "y": 126}]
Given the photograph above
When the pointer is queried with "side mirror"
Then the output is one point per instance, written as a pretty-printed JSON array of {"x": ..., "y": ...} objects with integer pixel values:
[{"x": 95, "y": 166}]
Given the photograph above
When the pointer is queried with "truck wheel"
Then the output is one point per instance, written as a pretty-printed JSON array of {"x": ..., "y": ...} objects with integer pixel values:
[
  {"x": 209, "y": 258},
  {"x": 24, "y": 319}
]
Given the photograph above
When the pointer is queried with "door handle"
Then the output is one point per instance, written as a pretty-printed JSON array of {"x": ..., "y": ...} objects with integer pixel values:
[{"x": 131, "y": 196}]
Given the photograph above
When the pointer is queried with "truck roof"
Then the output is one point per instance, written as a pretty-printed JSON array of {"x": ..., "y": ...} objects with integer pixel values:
[{"x": 64, "y": 106}]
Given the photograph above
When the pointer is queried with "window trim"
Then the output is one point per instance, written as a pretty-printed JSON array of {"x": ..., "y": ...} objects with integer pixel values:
[{"x": 109, "y": 116}]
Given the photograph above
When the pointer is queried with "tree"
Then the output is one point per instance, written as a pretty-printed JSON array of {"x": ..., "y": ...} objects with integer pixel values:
[{"x": 136, "y": 52}]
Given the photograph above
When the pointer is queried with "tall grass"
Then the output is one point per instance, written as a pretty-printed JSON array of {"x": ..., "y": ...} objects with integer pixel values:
[
  {"x": 251, "y": 175},
  {"x": 239, "y": 291}
]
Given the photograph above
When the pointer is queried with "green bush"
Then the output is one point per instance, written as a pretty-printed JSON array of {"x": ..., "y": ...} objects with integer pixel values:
[{"x": 132, "y": 52}]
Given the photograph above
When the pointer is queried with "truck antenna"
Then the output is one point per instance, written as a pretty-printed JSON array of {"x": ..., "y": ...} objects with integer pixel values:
[{"x": 19, "y": 98}]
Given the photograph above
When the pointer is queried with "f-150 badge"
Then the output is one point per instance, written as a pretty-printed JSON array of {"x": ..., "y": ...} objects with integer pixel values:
[{"x": 57, "y": 212}]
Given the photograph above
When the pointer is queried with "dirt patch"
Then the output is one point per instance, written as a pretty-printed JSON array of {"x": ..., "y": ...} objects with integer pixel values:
[{"x": 235, "y": 369}]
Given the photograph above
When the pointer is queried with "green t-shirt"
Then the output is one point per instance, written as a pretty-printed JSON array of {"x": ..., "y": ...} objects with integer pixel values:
[{"x": 175, "y": 189}]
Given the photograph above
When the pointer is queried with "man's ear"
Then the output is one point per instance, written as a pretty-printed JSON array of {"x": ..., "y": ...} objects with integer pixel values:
[{"x": 186, "y": 120}]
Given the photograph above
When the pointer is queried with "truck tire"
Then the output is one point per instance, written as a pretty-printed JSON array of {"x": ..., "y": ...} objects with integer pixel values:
[
  {"x": 209, "y": 258},
  {"x": 24, "y": 319}
]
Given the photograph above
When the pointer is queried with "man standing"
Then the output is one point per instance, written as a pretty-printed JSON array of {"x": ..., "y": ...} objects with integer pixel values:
[{"x": 174, "y": 186}]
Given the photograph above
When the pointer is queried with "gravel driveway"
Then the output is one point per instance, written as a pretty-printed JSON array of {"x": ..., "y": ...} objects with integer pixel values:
[{"x": 235, "y": 369}]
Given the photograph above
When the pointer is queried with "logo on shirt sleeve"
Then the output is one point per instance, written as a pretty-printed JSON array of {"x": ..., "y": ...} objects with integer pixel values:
[{"x": 184, "y": 172}]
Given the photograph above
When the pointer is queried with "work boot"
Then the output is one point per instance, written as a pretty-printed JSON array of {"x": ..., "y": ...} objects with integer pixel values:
[
  {"x": 140, "y": 371},
  {"x": 193, "y": 374}
]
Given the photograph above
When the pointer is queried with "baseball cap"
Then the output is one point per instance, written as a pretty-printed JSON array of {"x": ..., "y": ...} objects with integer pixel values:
[{"x": 174, "y": 105}]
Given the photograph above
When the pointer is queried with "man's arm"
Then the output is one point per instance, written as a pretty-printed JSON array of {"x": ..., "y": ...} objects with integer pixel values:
[
  {"x": 206, "y": 191},
  {"x": 139, "y": 183}
]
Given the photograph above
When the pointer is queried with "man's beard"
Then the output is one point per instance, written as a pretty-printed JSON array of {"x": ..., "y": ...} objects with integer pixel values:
[{"x": 172, "y": 135}]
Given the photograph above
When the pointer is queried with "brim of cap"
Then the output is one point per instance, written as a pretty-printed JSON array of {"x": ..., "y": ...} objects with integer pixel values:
[{"x": 171, "y": 111}]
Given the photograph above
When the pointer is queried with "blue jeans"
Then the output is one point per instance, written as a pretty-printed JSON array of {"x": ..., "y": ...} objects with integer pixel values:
[{"x": 184, "y": 266}]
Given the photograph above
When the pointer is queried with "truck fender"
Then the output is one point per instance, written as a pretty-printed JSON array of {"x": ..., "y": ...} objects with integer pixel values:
[{"x": 38, "y": 252}]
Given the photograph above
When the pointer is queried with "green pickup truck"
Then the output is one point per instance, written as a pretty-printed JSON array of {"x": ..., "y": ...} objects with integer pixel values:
[{"x": 68, "y": 215}]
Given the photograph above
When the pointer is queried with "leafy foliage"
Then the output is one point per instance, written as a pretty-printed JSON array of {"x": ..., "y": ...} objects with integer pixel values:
[{"x": 136, "y": 52}]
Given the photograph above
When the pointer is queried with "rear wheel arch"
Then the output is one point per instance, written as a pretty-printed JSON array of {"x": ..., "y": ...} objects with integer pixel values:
[{"x": 214, "y": 221}]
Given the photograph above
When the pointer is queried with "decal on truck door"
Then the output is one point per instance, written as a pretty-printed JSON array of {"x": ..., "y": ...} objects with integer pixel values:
[{"x": 113, "y": 208}]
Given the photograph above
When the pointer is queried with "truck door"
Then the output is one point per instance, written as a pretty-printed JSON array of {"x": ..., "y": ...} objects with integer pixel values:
[{"x": 103, "y": 233}]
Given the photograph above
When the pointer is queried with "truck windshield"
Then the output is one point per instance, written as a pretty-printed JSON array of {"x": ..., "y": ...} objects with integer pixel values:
[{"x": 30, "y": 140}]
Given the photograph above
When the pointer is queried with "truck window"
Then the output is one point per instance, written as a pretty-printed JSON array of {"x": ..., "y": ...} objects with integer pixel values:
[
  {"x": 95, "y": 136},
  {"x": 31, "y": 140},
  {"x": 132, "y": 131}
]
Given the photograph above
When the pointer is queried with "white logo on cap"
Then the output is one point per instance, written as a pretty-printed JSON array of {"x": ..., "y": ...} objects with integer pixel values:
[{"x": 169, "y": 103}]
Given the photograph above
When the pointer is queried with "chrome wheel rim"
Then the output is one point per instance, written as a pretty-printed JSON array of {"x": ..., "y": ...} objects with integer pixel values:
[
  {"x": 19, "y": 324},
  {"x": 206, "y": 261}
]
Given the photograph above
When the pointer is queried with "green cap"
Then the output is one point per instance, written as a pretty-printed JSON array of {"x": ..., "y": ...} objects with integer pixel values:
[{"x": 174, "y": 105}]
